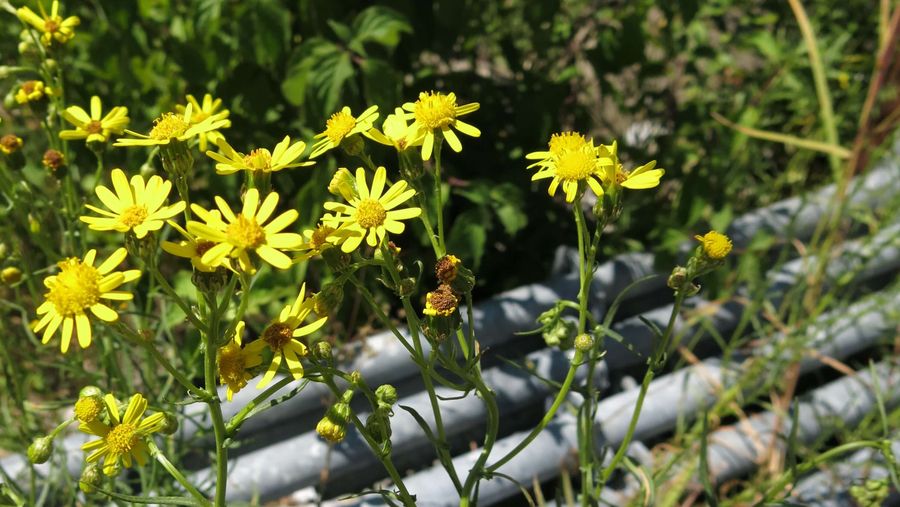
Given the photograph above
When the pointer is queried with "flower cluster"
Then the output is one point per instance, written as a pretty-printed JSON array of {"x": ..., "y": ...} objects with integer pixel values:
[{"x": 573, "y": 162}]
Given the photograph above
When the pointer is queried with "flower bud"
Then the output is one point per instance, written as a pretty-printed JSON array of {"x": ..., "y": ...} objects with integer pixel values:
[
  {"x": 584, "y": 342},
  {"x": 407, "y": 287},
  {"x": 90, "y": 391},
  {"x": 333, "y": 427},
  {"x": 10, "y": 143},
  {"x": 678, "y": 278},
  {"x": 715, "y": 246},
  {"x": 210, "y": 282},
  {"x": 343, "y": 184},
  {"x": 355, "y": 379},
  {"x": 171, "y": 425},
  {"x": 386, "y": 394},
  {"x": 53, "y": 160},
  {"x": 379, "y": 428},
  {"x": 464, "y": 281},
  {"x": 39, "y": 451},
  {"x": 322, "y": 351},
  {"x": 353, "y": 145},
  {"x": 34, "y": 225},
  {"x": 329, "y": 299},
  {"x": 11, "y": 275},
  {"x": 91, "y": 478},
  {"x": 89, "y": 408}
]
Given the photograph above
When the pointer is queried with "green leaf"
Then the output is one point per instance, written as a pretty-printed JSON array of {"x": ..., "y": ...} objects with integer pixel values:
[
  {"x": 468, "y": 236},
  {"x": 380, "y": 25},
  {"x": 271, "y": 28},
  {"x": 320, "y": 68}
]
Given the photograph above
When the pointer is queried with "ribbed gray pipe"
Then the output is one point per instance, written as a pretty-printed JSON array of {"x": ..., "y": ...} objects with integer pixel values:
[
  {"x": 297, "y": 462},
  {"x": 735, "y": 451},
  {"x": 680, "y": 394},
  {"x": 830, "y": 487},
  {"x": 498, "y": 318}
]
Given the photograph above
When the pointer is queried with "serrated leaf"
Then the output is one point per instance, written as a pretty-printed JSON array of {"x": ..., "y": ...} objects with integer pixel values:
[{"x": 380, "y": 25}]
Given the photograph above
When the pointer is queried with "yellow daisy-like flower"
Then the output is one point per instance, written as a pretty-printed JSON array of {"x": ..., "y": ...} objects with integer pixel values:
[
  {"x": 319, "y": 239},
  {"x": 234, "y": 363},
  {"x": 192, "y": 247},
  {"x": 644, "y": 177},
  {"x": 52, "y": 27},
  {"x": 94, "y": 127},
  {"x": 441, "y": 302},
  {"x": 372, "y": 214},
  {"x": 32, "y": 91},
  {"x": 171, "y": 126},
  {"x": 571, "y": 162},
  {"x": 125, "y": 439},
  {"x": 342, "y": 125},
  {"x": 208, "y": 108},
  {"x": 280, "y": 336},
  {"x": 245, "y": 232},
  {"x": 136, "y": 206},
  {"x": 10, "y": 143},
  {"x": 715, "y": 245},
  {"x": 259, "y": 160},
  {"x": 435, "y": 111},
  {"x": 397, "y": 132},
  {"x": 79, "y": 287}
]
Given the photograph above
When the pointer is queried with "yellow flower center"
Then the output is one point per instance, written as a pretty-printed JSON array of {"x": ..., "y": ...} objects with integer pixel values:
[
  {"x": 30, "y": 86},
  {"x": 94, "y": 127},
  {"x": 435, "y": 110},
  {"x": 338, "y": 126},
  {"x": 231, "y": 364},
  {"x": 245, "y": 233},
  {"x": 621, "y": 175},
  {"x": 566, "y": 141},
  {"x": 51, "y": 25},
  {"x": 370, "y": 213},
  {"x": 576, "y": 165},
  {"x": 715, "y": 245},
  {"x": 133, "y": 216},
  {"x": 88, "y": 408},
  {"x": 75, "y": 288},
  {"x": 258, "y": 160},
  {"x": 122, "y": 439},
  {"x": 277, "y": 335},
  {"x": 320, "y": 236},
  {"x": 168, "y": 126}
]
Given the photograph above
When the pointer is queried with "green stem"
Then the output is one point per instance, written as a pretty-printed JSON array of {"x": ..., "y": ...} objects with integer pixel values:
[
  {"x": 655, "y": 363},
  {"x": 560, "y": 396},
  {"x": 439, "y": 197},
  {"x": 235, "y": 422},
  {"x": 175, "y": 473},
  {"x": 167, "y": 288},
  {"x": 818, "y": 71},
  {"x": 215, "y": 405}
]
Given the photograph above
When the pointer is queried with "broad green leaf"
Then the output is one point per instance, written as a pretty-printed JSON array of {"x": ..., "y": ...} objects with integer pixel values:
[{"x": 380, "y": 25}]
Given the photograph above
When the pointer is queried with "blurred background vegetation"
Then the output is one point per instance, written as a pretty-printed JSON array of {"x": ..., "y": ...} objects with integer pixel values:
[{"x": 648, "y": 73}]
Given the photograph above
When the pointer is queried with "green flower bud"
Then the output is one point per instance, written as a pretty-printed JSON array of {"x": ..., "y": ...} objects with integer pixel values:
[
  {"x": 171, "y": 425},
  {"x": 678, "y": 278},
  {"x": 584, "y": 342},
  {"x": 210, "y": 282},
  {"x": 386, "y": 394},
  {"x": 88, "y": 391},
  {"x": 39, "y": 451},
  {"x": 322, "y": 351},
  {"x": 91, "y": 478},
  {"x": 353, "y": 145},
  {"x": 333, "y": 427},
  {"x": 11, "y": 275},
  {"x": 343, "y": 184}
]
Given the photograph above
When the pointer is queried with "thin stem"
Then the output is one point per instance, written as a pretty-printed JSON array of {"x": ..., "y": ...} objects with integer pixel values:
[
  {"x": 655, "y": 363},
  {"x": 130, "y": 334},
  {"x": 167, "y": 288},
  {"x": 438, "y": 195},
  {"x": 175, "y": 473},
  {"x": 560, "y": 396},
  {"x": 235, "y": 422},
  {"x": 215, "y": 406},
  {"x": 818, "y": 70}
]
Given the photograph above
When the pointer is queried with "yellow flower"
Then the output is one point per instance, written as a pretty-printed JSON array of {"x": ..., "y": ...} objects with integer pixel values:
[
  {"x": 171, "y": 126},
  {"x": 436, "y": 111},
  {"x": 192, "y": 247},
  {"x": 645, "y": 176},
  {"x": 259, "y": 160},
  {"x": 234, "y": 361},
  {"x": 32, "y": 91},
  {"x": 372, "y": 214},
  {"x": 280, "y": 336},
  {"x": 396, "y": 132},
  {"x": 53, "y": 159},
  {"x": 52, "y": 27},
  {"x": 319, "y": 239},
  {"x": 441, "y": 302},
  {"x": 78, "y": 287},
  {"x": 10, "y": 143},
  {"x": 715, "y": 245},
  {"x": 136, "y": 206},
  {"x": 94, "y": 127},
  {"x": 342, "y": 125},
  {"x": 245, "y": 232},
  {"x": 209, "y": 108},
  {"x": 571, "y": 161},
  {"x": 125, "y": 438}
]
